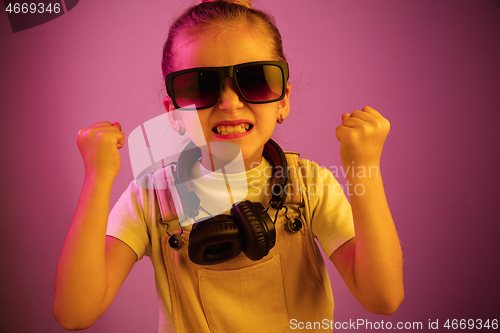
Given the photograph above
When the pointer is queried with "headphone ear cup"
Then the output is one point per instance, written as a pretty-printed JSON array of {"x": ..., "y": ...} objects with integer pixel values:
[
  {"x": 214, "y": 240},
  {"x": 257, "y": 227}
]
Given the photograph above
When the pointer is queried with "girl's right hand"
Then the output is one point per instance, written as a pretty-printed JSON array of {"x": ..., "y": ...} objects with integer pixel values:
[{"x": 99, "y": 146}]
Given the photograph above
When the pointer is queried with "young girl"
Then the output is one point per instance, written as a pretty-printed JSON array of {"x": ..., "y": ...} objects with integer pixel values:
[{"x": 259, "y": 269}]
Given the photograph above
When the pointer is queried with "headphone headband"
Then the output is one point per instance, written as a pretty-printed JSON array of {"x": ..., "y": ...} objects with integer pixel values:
[{"x": 274, "y": 153}]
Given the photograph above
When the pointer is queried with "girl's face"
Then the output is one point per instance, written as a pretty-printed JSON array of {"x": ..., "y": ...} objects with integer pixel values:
[{"x": 232, "y": 47}]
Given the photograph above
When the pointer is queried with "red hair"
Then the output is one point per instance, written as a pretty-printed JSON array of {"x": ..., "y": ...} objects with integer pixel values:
[{"x": 216, "y": 16}]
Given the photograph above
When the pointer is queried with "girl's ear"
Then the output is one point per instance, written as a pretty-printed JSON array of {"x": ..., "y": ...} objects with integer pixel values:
[
  {"x": 168, "y": 104},
  {"x": 284, "y": 104},
  {"x": 173, "y": 114}
]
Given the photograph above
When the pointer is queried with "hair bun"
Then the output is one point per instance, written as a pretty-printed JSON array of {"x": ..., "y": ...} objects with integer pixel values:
[{"x": 246, "y": 3}]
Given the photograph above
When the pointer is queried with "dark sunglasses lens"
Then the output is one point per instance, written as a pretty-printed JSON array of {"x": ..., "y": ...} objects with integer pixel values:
[
  {"x": 260, "y": 83},
  {"x": 200, "y": 88}
]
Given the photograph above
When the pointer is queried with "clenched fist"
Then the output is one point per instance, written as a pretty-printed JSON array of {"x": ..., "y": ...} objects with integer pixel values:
[
  {"x": 99, "y": 146},
  {"x": 362, "y": 135}
]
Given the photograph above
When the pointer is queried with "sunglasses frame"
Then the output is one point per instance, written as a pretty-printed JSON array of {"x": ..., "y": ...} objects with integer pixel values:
[{"x": 223, "y": 72}]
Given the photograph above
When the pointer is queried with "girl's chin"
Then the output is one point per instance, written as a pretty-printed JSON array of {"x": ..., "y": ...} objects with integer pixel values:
[{"x": 251, "y": 155}]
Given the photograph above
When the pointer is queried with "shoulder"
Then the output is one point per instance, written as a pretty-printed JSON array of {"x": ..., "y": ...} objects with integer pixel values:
[
  {"x": 307, "y": 172},
  {"x": 308, "y": 178},
  {"x": 301, "y": 164},
  {"x": 320, "y": 184},
  {"x": 312, "y": 173},
  {"x": 142, "y": 187},
  {"x": 136, "y": 197}
]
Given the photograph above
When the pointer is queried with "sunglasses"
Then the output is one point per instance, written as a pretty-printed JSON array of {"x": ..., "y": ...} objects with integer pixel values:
[{"x": 257, "y": 82}]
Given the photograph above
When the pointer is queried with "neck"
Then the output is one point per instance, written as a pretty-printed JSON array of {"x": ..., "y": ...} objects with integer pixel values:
[{"x": 232, "y": 162}]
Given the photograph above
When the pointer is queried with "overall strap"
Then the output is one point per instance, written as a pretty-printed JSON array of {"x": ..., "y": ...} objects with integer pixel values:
[
  {"x": 294, "y": 186},
  {"x": 166, "y": 194}
]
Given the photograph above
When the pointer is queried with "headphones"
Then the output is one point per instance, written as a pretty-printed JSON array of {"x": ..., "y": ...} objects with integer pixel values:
[{"x": 247, "y": 228}]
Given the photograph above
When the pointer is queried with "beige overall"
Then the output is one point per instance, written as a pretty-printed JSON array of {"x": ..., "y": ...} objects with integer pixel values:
[{"x": 241, "y": 295}]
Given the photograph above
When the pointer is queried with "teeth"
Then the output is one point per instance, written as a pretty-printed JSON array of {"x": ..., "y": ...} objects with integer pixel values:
[{"x": 226, "y": 130}]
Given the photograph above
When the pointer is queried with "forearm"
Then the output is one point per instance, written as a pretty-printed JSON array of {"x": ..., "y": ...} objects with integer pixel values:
[
  {"x": 378, "y": 262},
  {"x": 81, "y": 273}
]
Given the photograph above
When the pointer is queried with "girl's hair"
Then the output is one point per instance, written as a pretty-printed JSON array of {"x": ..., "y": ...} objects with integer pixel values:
[{"x": 216, "y": 16}]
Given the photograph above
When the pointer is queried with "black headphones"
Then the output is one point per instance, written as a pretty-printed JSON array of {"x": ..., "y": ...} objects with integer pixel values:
[{"x": 248, "y": 228}]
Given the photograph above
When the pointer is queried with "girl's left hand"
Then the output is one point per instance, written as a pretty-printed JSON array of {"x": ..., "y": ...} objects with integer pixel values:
[{"x": 362, "y": 135}]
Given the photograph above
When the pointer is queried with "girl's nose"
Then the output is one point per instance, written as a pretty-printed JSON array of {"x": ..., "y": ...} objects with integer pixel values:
[{"x": 229, "y": 99}]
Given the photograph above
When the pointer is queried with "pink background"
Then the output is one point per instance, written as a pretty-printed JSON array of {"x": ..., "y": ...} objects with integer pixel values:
[{"x": 430, "y": 66}]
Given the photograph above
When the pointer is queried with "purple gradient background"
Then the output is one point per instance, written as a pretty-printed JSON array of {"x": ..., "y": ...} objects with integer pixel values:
[{"x": 431, "y": 67}]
